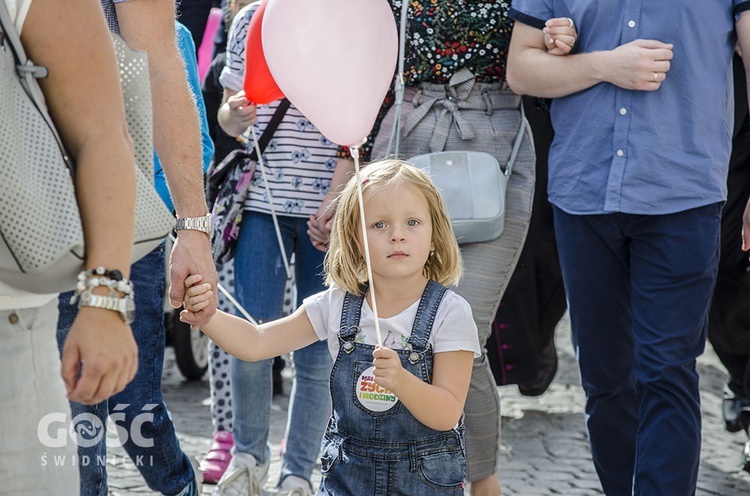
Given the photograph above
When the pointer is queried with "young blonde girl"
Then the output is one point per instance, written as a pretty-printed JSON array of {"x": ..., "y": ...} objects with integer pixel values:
[{"x": 397, "y": 421}]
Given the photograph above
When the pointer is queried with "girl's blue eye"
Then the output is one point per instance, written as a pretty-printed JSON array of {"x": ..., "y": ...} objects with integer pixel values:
[
  {"x": 379, "y": 225},
  {"x": 412, "y": 222}
]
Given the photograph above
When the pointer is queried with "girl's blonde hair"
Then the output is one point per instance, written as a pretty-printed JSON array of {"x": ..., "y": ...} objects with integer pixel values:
[{"x": 345, "y": 262}]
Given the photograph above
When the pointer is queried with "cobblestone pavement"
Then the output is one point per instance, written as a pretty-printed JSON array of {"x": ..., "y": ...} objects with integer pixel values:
[{"x": 544, "y": 447}]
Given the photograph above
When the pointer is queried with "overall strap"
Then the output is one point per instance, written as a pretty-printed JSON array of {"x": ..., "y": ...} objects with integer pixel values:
[
  {"x": 351, "y": 311},
  {"x": 420, "y": 332}
]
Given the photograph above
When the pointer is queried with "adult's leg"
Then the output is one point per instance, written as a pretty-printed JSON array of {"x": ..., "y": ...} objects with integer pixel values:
[
  {"x": 221, "y": 392},
  {"x": 219, "y": 454},
  {"x": 487, "y": 269},
  {"x": 37, "y": 455},
  {"x": 594, "y": 258},
  {"x": 310, "y": 402},
  {"x": 672, "y": 289},
  {"x": 534, "y": 301},
  {"x": 729, "y": 317},
  {"x": 152, "y": 442},
  {"x": 139, "y": 411},
  {"x": 259, "y": 279}
]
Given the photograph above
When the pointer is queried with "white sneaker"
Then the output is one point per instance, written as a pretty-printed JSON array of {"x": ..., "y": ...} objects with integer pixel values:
[
  {"x": 294, "y": 486},
  {"x": 243, "y": 477},
  {"x": 198, "y": 475}
]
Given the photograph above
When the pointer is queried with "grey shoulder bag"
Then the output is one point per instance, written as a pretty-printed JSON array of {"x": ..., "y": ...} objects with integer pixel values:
[{"x": 473, "y": 183}]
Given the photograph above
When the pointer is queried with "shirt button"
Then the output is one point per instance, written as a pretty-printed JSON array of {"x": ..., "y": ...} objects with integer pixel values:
[
  {"x": 13, "y": 318},
  {"x": 631, "y": 23},
  {"x": 623, "y": 111},
  {"x": 620, "y": 153}
]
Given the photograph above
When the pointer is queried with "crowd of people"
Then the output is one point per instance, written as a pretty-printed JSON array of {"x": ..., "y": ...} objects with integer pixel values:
[{"x": 391, "y": 313}]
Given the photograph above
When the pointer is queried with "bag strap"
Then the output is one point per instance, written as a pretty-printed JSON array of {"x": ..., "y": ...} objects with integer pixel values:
[
  {"x": 25, "y": 67},
  {"x": 273, "y": 124},
  {"x": 262, "y": 142},
  {"x": 523, "y": 127},
  {"x": 9, "y": 30},
  {"x": 28, "y": 73},
  {"x": 399, "y": 83}
]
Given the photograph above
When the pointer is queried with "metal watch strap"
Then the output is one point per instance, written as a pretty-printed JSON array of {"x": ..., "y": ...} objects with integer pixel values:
[
  {"x": 202, "y": 224},
  {"x": 125, "y": 305}
]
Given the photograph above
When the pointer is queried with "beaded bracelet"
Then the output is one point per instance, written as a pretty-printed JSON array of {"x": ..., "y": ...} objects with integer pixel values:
[{"x": 112, "y": 279}]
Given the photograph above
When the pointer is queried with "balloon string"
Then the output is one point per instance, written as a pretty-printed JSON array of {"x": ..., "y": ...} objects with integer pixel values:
[
  {"x": 355, "y": 156},
  {"x": 270, "y": 203}
]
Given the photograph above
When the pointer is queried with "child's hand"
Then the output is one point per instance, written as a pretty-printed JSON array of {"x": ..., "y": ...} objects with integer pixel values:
[
  {"x": 197, "y": 296},
  {"x": 560, "y": 35},
  {"x": 242, "y": 110},
  {"x": 388, "y": 369}
]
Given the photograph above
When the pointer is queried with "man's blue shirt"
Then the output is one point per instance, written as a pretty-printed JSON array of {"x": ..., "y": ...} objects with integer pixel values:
[{"x": 644, "y": 152}]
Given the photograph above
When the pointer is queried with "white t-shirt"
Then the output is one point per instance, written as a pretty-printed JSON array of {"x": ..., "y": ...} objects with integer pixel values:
[
  {"x": 11, "y": 298},
  {"x": 453, "y": 329}
]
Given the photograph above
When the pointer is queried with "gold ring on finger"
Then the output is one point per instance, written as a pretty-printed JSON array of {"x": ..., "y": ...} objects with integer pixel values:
[{"x": 656, "y": 77}]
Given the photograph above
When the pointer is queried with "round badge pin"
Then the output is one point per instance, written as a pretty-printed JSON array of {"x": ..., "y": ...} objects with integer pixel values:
[{"x": 372, "y": 395}]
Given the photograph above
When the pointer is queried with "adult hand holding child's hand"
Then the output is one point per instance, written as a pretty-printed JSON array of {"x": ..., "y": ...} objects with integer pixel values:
[{"x": 198, "y": 296}]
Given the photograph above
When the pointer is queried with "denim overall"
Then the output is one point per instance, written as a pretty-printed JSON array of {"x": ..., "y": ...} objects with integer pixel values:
[{"x": 382, "y": 453}]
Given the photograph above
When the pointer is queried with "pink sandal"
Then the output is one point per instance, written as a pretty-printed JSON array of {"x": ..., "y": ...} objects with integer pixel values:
[{"x": 217, "y": 459}]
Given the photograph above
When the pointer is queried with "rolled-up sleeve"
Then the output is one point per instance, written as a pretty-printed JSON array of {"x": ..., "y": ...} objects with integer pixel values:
[{"x": 532, "y": 12}]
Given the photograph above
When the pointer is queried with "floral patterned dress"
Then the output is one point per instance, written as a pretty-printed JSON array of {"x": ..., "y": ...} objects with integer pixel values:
[{"x": 444, "y": 36}]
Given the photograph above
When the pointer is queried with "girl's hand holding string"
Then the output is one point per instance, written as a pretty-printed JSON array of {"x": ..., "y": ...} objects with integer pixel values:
[{"x": 388, "y": 369}]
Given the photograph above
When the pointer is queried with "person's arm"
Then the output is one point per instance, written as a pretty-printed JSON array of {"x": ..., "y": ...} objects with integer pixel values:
[
  {"x": 451, "y": 374},
  {"x": 149, "y": 25},
  {"x": 320, "y": 223},
  {"x": 743, "y": 41},
  {"x": 83, "y": 76},
  {"x": 242, "y": 339},
  {"x": 638, "y": 65},
  {"x": 187, "y": 52},
  {"x": 236, "y": 113}
]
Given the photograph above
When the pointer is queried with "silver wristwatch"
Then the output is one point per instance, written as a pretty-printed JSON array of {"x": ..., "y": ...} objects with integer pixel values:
[
  {"x": 124, "y": 305},
  {"x": 203, "y": 224}
]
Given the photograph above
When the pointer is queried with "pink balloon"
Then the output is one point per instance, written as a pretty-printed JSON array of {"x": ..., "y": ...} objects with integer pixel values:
[{"x": 334, "y": 60}]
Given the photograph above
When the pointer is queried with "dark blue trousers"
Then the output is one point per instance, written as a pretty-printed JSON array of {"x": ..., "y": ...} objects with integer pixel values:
[{"x": 639, "y": 289}]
